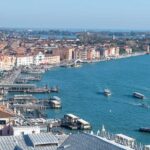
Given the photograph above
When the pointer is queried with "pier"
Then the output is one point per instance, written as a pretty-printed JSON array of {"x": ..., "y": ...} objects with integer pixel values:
[
  {"x": 29, "y": 101},
  {"x": 27, "y": 88},
  {"x": 17, "y": 87},
  {"x": 27, "y": 79},
  {"x": 38, "y": 90}
]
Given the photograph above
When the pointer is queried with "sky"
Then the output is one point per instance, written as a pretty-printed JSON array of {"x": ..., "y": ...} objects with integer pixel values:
[{"x": 76, "y": 14}]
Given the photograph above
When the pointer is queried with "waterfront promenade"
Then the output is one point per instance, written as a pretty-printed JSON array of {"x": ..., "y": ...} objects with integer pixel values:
[{"x": 11, "y": 76}]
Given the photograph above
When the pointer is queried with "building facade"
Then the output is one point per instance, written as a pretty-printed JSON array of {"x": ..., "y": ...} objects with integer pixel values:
[
  {"x": 24, "y": 60},
  {"x": 7, "y": 62}
]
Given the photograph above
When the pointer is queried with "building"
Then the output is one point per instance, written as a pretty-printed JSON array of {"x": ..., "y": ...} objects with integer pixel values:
[
  {"x": 23, "y": 60},
  {"x": 40, "y": 141},
  {"x": 86, "y": 141},
  {"x": 147, "y": 147},
  {"x": 7, "y": 62},
  {"x": 80, "y": 54},
  {"x": 49, "y": 141},
  {"x": 76, "y": 54},
  {"x": 92, "y": 54},
  {"x": 51, "y": 59},
  {"x": 6, "y": 120},
  {"x": 124, "y": 140},
  {"x": 69, "y": 53},
  {"x": 60, "y": 52},
  {"x": 24, "y": 130},
  {"x": 111, "y": 52},
  {"x": 38, "y": 58},
  {"x": 128, "y": 50}
]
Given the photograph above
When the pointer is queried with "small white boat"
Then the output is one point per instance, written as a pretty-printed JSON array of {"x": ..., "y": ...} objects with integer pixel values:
[
  {"x": 107, "y": 92},
  {"x": 138, "y": 95}
]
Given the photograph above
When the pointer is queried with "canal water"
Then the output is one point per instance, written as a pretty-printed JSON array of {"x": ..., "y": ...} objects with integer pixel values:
[{"x": 120, "y": 113}]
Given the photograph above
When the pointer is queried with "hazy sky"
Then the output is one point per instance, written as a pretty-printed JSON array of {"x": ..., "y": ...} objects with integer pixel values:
[{"x": 93, "y": 14}]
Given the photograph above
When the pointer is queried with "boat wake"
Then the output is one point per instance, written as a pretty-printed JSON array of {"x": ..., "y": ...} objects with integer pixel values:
[{"x": 140, "y": 105}]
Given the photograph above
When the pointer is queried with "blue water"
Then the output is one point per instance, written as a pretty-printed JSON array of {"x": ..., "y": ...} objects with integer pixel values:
[{"x": 120, "y": 113}]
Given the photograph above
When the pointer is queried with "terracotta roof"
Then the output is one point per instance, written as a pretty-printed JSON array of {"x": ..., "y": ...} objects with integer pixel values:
[{"x": 5, "y": 113}]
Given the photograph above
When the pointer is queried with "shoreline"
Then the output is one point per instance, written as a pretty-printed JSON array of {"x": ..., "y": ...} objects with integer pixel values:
[
  {"x": 107, "y": 59},
  {"x": 124, "y": 56},
  {"x": 69, "y": 64}
]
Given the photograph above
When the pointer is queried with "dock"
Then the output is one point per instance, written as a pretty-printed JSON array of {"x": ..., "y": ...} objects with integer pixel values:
[
  {"x": 17, "y": 87},
  {"x": 27, "y": 79},
  {"x": 33, "y": 71},
  {"x": 30, "y": 106},
  {"x": 21, "y": 99},
  {"x": 26, "y": 88},
  {"x": 38, "y": 90}
]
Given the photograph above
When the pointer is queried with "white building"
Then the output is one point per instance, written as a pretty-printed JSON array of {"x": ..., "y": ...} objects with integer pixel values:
[
  {"x": 111, "y": 52},
  {"x": 39, "y": 58},
  {"x": 24, "y": 60},
  {"x": 7, "y": 62},
  {"x": 24, "y": 130},
  {"x": 128, "y": 50}
]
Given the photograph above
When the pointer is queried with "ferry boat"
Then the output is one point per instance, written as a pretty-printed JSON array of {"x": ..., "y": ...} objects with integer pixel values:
[
  {"x": 55, "y": 104},
  {"x": 75, "y": 123},
  {"x": 107, "y": 92},
  {"x": 138, "y": 95}
]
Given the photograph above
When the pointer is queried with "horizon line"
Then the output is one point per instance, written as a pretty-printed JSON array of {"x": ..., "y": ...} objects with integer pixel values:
[{"x": 77, "y": 29}]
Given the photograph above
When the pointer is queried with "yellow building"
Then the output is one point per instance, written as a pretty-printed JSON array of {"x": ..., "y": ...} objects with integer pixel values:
[
  {"x": 50, "y": 59},
  {"x": 7, "y": 62}
]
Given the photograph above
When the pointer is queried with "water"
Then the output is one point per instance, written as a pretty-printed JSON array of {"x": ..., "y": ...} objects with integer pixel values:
[
  {"x": 120, "y": 113},
  {"x": 58, "y": 36}
]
